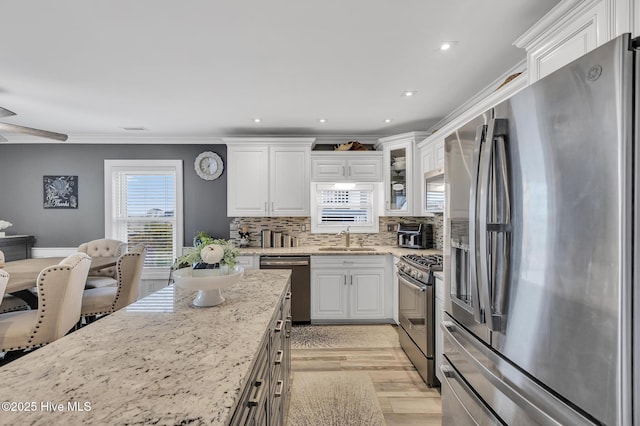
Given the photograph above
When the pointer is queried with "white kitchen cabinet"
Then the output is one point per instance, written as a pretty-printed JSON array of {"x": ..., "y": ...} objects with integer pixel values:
[
  {"x": 567, "y": 32},
  {"x": 439, "y": 315},
  {"x": 248, "y": 262},
  {"x": 268, "y": 177},
  {"x": 350, "y": 289},
  {"x": 431, "y": 160},
  {"x": 431, "y": 156},
  {"x": 398, "y": 169},
  {"x": 341, "y": 166}
]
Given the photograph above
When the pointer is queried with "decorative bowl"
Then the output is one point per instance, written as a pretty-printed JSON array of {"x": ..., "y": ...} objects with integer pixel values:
[{"x": 208, "y": 282}]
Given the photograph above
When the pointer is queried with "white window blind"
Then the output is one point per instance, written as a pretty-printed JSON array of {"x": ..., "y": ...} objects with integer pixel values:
[
  {"x": 338, "y": 207},
  {"x": 145, "y": 209}
]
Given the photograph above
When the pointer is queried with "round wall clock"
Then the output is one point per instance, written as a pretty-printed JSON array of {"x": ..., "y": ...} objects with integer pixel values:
[{"x": 208, "y": 165}]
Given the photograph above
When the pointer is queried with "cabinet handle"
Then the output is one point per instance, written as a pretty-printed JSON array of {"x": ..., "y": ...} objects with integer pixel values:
[
  {"x": 279, "y": 389},
  {"x": 288, "y": 295},
  {"x": 278, "y": 327},
  {"x": 345, "y": 279},
  {"x": 350, "y": 279},
  {"x": 279, "y": 356},
  {"x": 349, "y": 171}
]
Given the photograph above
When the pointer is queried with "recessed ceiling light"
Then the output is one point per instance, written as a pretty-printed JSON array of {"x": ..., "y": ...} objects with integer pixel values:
[
  {"x": 257, "y": 120},
  {"x": 387, "y": 120},
  {"x": 446, "y": 45},
  {"x": 409, "y": 93},
  {"x": 323, "y": 120}
]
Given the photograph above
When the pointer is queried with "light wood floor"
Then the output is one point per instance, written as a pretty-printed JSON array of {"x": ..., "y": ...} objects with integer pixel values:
[{"x": 402, "y": 395}]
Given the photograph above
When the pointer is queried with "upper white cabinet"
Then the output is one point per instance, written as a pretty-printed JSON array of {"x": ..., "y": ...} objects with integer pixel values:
[
  {"x": 573, "y": 28},
  {"x": 399, "y": 169},
  {"x": 431, "y": 160},
  {"x": 268, "y": 176},
  {"x": 340, "y": 166}
]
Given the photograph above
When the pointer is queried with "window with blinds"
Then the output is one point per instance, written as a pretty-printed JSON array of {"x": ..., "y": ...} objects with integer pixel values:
[
  {"x": 145, "y": 207},
  {"x": 340, "y": 205}
]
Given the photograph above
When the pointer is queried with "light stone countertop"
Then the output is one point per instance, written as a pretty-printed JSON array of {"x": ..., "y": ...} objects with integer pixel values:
[
  {"x": 158, "y": 361},
  {"x": 315, "y": 250}
]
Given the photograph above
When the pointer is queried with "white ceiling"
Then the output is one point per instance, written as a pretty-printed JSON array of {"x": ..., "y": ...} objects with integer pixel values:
[{"x": 197, "y": 68}]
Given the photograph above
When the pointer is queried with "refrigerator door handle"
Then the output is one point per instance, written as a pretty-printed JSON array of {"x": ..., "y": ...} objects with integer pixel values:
[
  {"x": 473, "y": 224},
  {"x": 501, "y": 235},
  {"x": 483, "y": 204},
  {"x": 494, "y": 223}
]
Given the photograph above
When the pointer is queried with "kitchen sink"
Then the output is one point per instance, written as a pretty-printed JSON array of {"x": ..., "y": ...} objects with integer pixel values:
[{"x": 342, "y": 248}]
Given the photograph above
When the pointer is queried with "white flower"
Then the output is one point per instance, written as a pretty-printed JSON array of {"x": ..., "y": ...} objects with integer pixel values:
[{"x": 4, "y": 224}]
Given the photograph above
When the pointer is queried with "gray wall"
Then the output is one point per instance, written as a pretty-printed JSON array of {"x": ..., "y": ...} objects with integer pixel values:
[{"x": 22, "y": 167}]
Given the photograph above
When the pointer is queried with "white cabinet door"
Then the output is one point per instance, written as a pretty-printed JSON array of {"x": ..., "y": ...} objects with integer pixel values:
[
  {"x": 328, "y": 169},
  {"x": 247, "y": 181},
  {"x": 557, "y": 40},
  {"x": 365, "y": 170},
  {"x": 366, "y": 298},
  {"x": 329, "y": 294},
  {"x": 289, "y": 181}
]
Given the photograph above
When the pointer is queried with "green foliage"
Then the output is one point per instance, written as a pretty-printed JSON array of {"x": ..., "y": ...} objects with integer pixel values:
[{"x": 201, "y": 240}]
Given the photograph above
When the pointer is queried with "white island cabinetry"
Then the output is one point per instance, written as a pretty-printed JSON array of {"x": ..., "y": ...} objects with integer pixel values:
[{"x": 350, "y": 289}]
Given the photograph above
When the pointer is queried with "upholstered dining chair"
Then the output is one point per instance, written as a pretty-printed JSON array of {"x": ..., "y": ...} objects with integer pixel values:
[
  {"x": 103, "y": 247},
  {"x": 10, "y": 303},
  {"x": 105, "y": 300},
  {"x": 60, "y": 290},
  {"x": 4, "y": 279}
]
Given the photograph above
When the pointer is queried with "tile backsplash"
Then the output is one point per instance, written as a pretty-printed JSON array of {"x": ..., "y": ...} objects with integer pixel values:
[{"x": 300, "y": 227}]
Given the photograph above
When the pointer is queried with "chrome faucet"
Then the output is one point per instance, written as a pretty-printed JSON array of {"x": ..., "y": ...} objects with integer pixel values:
[{"x": 345, "y": 232}]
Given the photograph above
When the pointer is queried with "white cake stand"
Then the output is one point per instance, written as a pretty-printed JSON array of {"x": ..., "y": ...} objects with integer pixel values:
[{"x": 208, "y": 282}]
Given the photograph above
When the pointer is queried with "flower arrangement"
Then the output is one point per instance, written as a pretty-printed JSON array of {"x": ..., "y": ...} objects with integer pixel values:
[{"x": 202, "y": 240}]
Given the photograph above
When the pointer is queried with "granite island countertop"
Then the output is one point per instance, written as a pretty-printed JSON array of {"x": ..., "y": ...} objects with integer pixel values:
[
  {"x": 158, "y": 361},
  {"x": 315, "y": 250}
]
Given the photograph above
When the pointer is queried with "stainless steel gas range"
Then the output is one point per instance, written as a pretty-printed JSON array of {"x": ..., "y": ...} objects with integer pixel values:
[{"x": 416, "y": 307}]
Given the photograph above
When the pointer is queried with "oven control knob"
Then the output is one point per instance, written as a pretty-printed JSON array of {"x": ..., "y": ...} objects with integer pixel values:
[{"x": 418, "y": 275}]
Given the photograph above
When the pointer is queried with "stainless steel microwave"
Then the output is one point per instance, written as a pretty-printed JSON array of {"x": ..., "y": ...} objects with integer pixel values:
[{"x": 434, "y": 191}]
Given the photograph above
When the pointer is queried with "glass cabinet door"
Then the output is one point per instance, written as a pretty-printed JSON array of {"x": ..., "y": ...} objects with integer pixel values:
[{"x": 397, "y": 191}]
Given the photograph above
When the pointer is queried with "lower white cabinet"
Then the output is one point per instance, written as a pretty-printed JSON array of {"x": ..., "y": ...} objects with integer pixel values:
[
  {"x": 439, "y": 314},
  {"x": 248, "y": 262},
  {"x": 350, "y": 288}
]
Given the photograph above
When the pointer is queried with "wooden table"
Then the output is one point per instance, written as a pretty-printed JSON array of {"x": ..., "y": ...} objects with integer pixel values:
[{"x": 24, "y": 274}]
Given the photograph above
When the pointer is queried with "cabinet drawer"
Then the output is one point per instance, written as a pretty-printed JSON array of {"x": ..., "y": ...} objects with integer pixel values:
[
  {"x": 247, "y": 262},
  {"x": 347, "y": 261}
]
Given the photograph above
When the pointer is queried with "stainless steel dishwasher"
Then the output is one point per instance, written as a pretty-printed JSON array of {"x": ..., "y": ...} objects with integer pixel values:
[{"x": 300, "y": 283}]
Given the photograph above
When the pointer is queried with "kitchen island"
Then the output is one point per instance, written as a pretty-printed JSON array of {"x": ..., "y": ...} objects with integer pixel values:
[{"x": 158, "y": 361}]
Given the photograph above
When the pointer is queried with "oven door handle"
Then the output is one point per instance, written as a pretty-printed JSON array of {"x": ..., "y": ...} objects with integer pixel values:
[{"x": 407, "y": 280}]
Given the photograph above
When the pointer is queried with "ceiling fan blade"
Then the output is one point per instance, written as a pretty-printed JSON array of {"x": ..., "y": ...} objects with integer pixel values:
[
  {"x": 3, "y": 139},
  {"x": 6, "y": 113},
  {"x": 34, "y": 132}
]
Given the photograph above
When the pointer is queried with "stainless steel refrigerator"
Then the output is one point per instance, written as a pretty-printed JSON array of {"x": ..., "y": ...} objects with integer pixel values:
[{"x": 542, "y": 253}]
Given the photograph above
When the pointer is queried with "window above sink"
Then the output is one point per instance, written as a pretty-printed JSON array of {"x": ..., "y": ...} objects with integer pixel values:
[{"x": 339, "y": 205}]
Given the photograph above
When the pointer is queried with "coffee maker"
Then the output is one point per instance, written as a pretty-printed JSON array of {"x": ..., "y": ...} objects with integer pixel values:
[{"x": 415, "y": 235}]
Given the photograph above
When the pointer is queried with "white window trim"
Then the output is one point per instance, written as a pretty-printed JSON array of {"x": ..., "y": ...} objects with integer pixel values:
[
  {"x": 110, "y": 203},
  {"x": 374, "y": 227}
]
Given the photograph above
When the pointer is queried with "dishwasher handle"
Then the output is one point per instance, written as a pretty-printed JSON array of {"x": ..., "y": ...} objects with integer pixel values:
[{"x": 284, "y": 261}]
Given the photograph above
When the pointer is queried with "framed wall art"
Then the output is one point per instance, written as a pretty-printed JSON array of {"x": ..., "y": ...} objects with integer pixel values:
[{"x": 60, "y": 192}]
